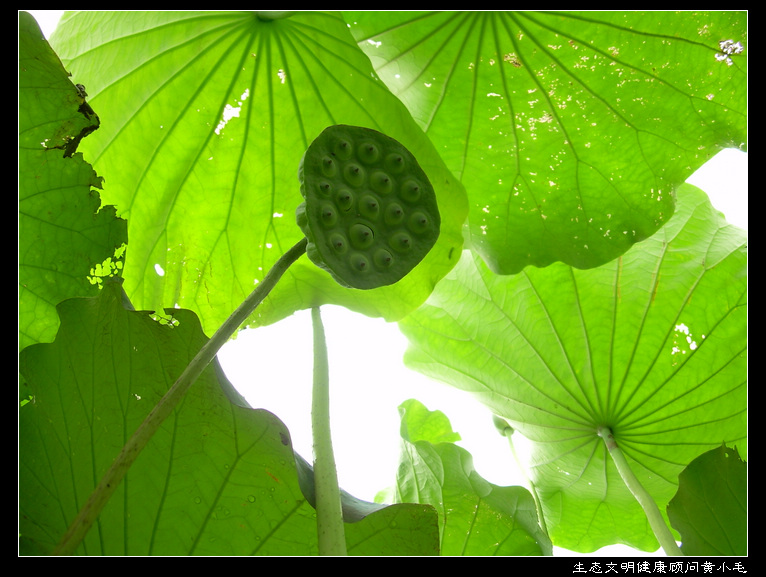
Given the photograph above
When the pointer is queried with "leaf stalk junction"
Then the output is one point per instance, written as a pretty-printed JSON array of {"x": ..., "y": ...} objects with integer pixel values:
[{"x": 651, "y": 510}]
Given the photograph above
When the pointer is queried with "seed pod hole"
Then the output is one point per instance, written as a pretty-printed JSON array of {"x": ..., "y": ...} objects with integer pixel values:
[
  {"x": 394, "y": 214},
  {"x": 329, "y": 215},
  {"x": 381, "y": 182},
  {"x": 401, "y": 242},
  {"x": 368, "y": 152},
  {"x": 395, "y": 163},
  {"x": 369, "y": 207},
  {"x": 344, "y": 199},
  {"x": 328, "y": 167},
  {"x": 419, "y": 222},
  {"x": 411, "y": 190},
  {"x": 343, "y": 149},
  {"x": 383, "y": 259},
  {"x": 354, "y": 174},
  {"x": 338, "y": 243},
  {"x": 359, "y": 262},
  {"x": 361, "y": 236}
]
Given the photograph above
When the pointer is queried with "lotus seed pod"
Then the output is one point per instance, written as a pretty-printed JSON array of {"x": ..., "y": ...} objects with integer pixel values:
[{"x": 370, "y": 212}]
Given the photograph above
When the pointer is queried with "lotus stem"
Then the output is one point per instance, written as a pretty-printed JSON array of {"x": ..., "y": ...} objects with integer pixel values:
[{"x": 651, "y": 510}]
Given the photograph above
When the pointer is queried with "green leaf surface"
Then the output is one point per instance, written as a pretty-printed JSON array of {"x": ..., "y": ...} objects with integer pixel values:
[
  {"x": 570, "y": 131},
  {"x": 420, "y": 424},
  {"x": 205, "y": 117},
  {"x": 475, "y": 516},
  {"x": 219, "y": 478},
  {"x": 652, "y": 346},
  {"x": 396, "y": 530},
  {"x": 710, "y": 508},
  {"x": 64, "y": 233},
  {"x": 216, "y": 478}
]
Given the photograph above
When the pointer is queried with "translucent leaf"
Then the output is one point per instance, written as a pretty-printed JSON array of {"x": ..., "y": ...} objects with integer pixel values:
[
  {"x": 205, "y": 117},
  {"x": 652, "y": 345},
  {"x": 569, "y": 130},
  {"x": 475, "y": 516},
  {"x": 64, "y": 232}
]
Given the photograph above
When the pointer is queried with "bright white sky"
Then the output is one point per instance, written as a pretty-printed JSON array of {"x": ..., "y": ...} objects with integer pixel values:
[{"x": 272, "y": 366}]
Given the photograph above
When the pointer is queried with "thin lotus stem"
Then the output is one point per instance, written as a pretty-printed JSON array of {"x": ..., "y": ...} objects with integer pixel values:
[
  {"x": 112, "y": 478},
  {"x": 507, "y": 431},
  {"x": 652, "y": 512},
  {"x": 330, "y": 529}
]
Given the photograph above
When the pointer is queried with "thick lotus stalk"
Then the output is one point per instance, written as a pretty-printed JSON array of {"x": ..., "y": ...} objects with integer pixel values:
[
  {"x": 370, "y": 212},
  {"x": 653, "y": 515},
  {"x": 331, "y": 533}
]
